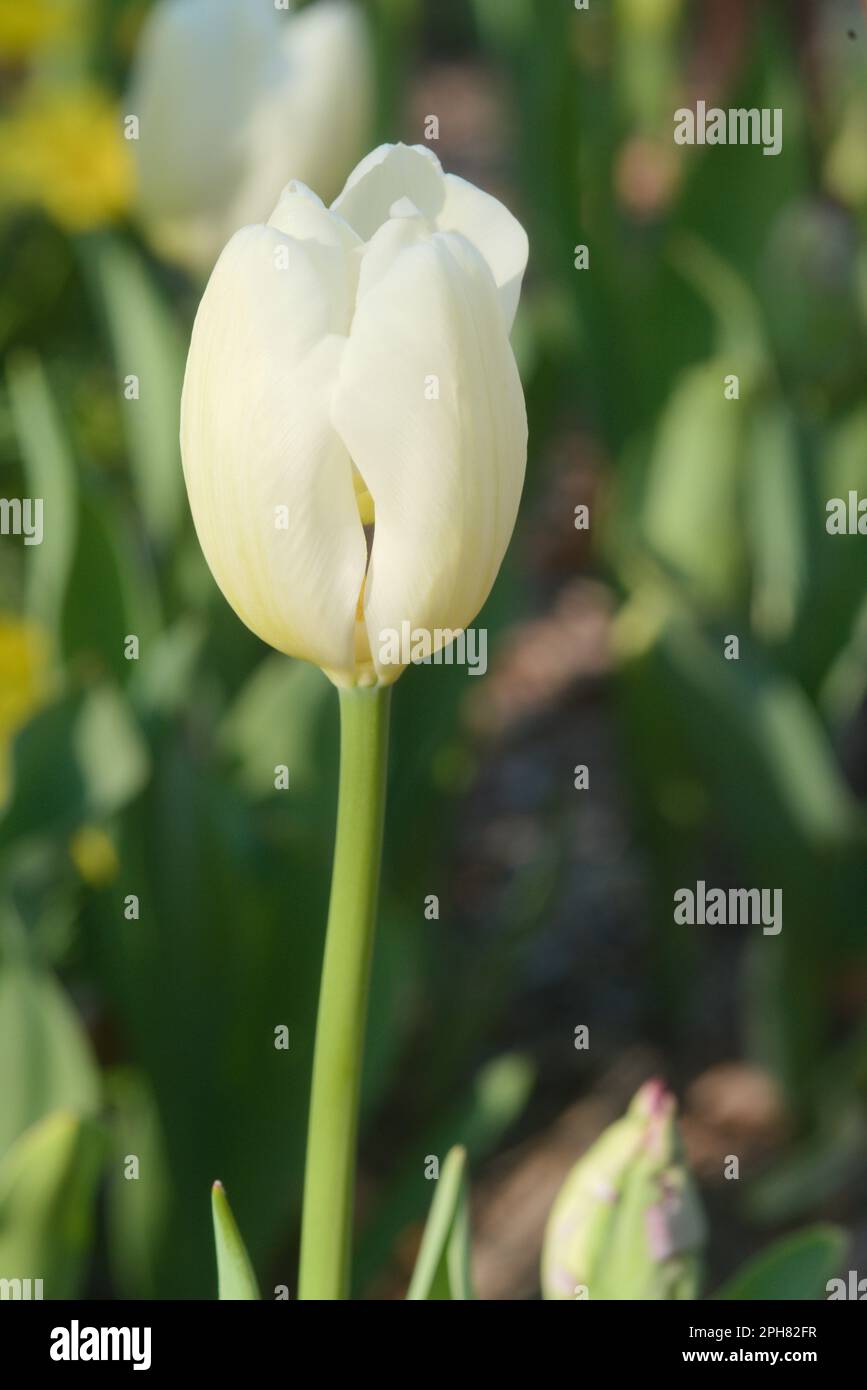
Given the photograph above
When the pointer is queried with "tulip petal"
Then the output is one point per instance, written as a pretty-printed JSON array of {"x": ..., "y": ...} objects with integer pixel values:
[
  {"x": 392, "y": 174},
  {"x": 269, "y": 481},
  {"x": 301, "y": 213},
  {"x": 384, "y": 177},
  {"x": 494, "y": 231},
  {"x": 232, "y": 100},
  {"x": 445, "y": 473},
  {"x": 308, "y": 122},
  {"x": 327, "y": 46},
  {"x": 200, "y": 68}
]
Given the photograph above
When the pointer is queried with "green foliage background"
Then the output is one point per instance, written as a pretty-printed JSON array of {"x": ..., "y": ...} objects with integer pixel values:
[{"x": 155, "y": 1037}]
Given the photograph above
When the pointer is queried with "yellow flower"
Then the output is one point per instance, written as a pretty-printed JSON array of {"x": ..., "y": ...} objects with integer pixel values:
[
  {"x": 63, "y": 151},
  {"x": 846, "y": 163},
  {"x": 94, "y": 855},
  {"x": 23, "y": 682},
  {"x": 27, "y": 25}
]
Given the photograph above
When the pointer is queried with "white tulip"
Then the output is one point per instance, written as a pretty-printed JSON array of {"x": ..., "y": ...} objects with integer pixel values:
[
  {"x": 351, "y": 366},
  {"x": 232, "y": 99}
]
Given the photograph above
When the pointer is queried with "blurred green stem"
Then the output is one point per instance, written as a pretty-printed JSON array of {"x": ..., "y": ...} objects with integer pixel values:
[{"x": 329, "y": 1179}]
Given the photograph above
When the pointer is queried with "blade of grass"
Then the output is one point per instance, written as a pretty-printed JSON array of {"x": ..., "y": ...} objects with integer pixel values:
[
  {"x": 442, "y": 1269},
  {"x": 235, "y": 1277}
]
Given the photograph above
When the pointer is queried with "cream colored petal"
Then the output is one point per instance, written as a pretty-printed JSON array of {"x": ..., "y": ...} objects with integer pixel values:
[
  {"x": 332, "y": 90},
  {"x": 493, "y": 230},
  {"x": 385, "y": 177},
  {"x": 311, "y": 125},
  {"x": 259, "y": 449},
  {"x": 395, "y": 174},
  {"x": 233, "y": 100},
  {"x": 200, "y": 67},
  {"x": 380, "y": 254},
  {"x": 301, "y": 213},
  {"x": 445, "y": 473}
]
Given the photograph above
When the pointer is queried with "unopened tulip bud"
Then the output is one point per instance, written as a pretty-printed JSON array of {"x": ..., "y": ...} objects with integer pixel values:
[
  {"x": 627, "y": 1223},
  {"x": 337, "y": 499}
]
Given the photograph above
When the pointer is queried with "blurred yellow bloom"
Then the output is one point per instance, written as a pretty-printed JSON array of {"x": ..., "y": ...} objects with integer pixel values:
[
  {"x": 846, "y": 162},
  {"x": 648, "y": 16},
  {"x": 94, "y": 855},
  {"x": 23, "y": 682},
  {"x": 26, "y": 25},
  {"x": 64, "y": 151}
]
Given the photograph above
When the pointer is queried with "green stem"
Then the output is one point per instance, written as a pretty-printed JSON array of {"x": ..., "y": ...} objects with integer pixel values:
[{"x": 329, "y": 1177}]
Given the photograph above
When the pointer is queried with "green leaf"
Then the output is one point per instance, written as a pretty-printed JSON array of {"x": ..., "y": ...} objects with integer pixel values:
[
  {"x": 162, "y": 679},
  {"x": 504, "y": 25},
  {"x": 442, "y": 1270},
  {"x": 206, "y": 864},
  {"x": 137, "y": 1212},
  {"x": 235, "y": 1276},
  {"x": 758, "y": 728},
  {"x": 746, "y": 724},
  {"x": 89, "y": 750},
  {"x": 273, "y": 721},
  {"x": 111, "y": 591},
  {"x": 829, "y": 615},
  {"x": 47, "y": 1185},
  {"x": 111, "y": 751},
  {"x": 42, "y": 757},
  {"x": 45, "y": 1058},
  {"x": 691, "y": 520},
  {"x": 50, "y": 473},
  {"x": 797, "y": 1267},
  {"x": 740, "y": 333},
  {"x": 146, "y": 344},
  {"x": 777, "y": 523},
  {"x": 812, "y": 1174}
]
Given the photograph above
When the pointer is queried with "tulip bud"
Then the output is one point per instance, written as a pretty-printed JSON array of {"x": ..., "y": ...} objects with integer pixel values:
[
  {"x": 233, "y": 99},
  {"x": 338, "y": 498},
  {"x": 627, "y": 1223}
]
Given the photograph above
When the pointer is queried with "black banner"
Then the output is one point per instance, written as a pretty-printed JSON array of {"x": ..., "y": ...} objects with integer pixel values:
[{"x": 241, "y": 1338}]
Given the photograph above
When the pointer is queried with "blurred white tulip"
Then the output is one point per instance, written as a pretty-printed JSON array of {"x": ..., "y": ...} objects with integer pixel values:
[
  {"x": 233, "y": 98},
  {"x": 351, "y": 392}
]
